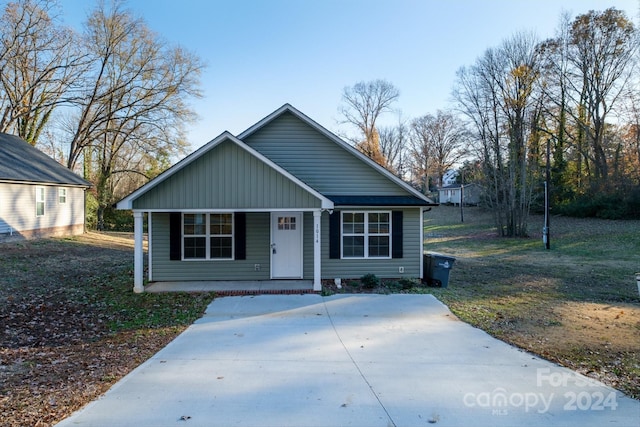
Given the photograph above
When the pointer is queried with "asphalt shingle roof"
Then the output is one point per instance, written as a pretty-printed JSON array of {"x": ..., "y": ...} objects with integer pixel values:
[{"x": 20, "y": 161}]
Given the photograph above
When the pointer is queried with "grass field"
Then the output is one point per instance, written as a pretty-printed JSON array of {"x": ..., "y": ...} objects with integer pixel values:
[
  {"x": 72, "y": 327},
  {"x": 576, "y": 304}
]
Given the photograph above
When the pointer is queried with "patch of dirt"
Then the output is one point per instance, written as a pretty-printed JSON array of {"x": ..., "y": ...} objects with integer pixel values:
[
  {"x": 600, "y": 341},
  {"x": 41, "y": 385},
  {"x": 56, "y": 349},
  {"x": 605, "y": 325}
]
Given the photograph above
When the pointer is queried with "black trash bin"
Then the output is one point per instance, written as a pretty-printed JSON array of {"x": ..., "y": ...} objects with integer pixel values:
[{"x": 437, "y": 268}]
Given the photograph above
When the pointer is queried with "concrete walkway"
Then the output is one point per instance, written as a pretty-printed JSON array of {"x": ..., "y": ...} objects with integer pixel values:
[{"x": 349, "y": 360}]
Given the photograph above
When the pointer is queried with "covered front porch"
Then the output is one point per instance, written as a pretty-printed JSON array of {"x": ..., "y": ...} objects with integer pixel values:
[{"x": 264, "y": 258}]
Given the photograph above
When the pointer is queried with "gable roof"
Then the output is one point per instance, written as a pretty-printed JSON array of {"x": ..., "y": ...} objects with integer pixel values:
[
  {"x": 414, "y": 197},
  {"x": 127, "y": 202},
  {"x": 21, "y": 162},
  {"x": 455, "y": 186},
  {"x": 417, "y": 199}
]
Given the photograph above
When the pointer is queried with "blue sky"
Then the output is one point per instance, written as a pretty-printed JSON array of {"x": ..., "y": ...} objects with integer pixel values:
[{"x": 262, "y": 54}]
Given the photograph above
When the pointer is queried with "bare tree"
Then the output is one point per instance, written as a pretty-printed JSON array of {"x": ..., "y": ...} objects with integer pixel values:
[
  {"x": 364, "y": 102},
  {"x": 39, "y": 64},
  {"x": 437, "y": 144},
  {"x": 393, "y": 146},
  {"x": 498, "y": 94},
  {"x": 136, "y": 103},
  {"x": 602, "y": 51}
]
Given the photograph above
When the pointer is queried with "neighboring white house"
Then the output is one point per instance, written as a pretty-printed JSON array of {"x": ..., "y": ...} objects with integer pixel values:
[
  {"x": 450, "y": 194},
  {"x": 38, "y": 196},
  {"x": 450, "y": 177}
]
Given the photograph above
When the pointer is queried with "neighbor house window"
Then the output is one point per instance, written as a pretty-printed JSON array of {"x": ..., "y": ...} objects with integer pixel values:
[
  {"x": 207, "y": 236},
  {"x": 62, "y": 196},
  {"x": 39, "y": 201},
  {"x": 366, "y": 235}
]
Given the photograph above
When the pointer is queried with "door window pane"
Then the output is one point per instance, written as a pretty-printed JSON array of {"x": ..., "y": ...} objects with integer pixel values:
[{"x": 286, "y": 223}]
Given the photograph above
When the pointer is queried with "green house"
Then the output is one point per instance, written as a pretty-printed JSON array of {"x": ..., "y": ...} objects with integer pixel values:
[{"x": 285, "y": 199}]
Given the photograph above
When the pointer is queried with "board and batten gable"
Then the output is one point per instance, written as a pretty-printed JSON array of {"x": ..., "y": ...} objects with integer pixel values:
[
  {"x": 18, "y": 210},
  {"x": 318, "y": 161},
  {"x": 226, "y": 177}
]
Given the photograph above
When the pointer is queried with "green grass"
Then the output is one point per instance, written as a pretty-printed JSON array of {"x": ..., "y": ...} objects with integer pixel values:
[
  {"x": 96, "y": 280},
  {"x": 515, "y": 289},
  {"x": 589, "y": 259}
]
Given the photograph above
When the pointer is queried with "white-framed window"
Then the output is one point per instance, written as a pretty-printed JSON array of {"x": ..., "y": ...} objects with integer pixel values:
[
  {"x": 62, "y": 195},
  {"x": 366, "y": 234},
  {"x": 207, "y": 236},
  {"x": 40, "y": 201}
]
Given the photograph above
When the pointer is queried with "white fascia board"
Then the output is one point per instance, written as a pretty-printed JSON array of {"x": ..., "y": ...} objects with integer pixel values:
[
  {"x": 231, "y": 210},
  {"x": 43, "y": 184},
  {"x": 337, "y": 140}
]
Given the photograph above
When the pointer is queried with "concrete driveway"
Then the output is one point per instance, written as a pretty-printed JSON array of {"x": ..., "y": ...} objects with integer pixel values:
[{"x": 349, "y": 360}]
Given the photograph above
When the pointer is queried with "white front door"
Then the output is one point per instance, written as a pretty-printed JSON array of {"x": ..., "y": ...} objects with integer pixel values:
[{"x": 286, "y": 245}]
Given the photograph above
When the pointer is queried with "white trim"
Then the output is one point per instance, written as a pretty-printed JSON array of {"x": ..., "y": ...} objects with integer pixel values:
[
  {"x": 42, "y": 190},
  {"x": 138, "y": 252},
  {"x": 207, "y": 235},
  {"x": 365, "y": 234},
  {"x": 421, "y": 246},
  {"x": 317, "y": 250},
  {"x": 149, "y": 245},
  {"x": 239, "y": 209},
  {"x": 337, "y": 140},
  {"x": 127, "y": 202},
  {"x": 64, "y": 190},
  {"x": 369, "y": 208},
  {"x": 301, "y": 247},
  {"x": 46, "y": 184}
]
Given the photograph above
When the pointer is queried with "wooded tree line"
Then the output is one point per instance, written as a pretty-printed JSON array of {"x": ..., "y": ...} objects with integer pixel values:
[
  {"x": 109, "y": 102},
  {"x": 577, "y": 93}
]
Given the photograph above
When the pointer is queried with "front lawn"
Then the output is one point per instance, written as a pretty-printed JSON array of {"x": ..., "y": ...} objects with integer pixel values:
[
  {"x": 576, "y": 304},
  {"x": 72, "y": 326}
]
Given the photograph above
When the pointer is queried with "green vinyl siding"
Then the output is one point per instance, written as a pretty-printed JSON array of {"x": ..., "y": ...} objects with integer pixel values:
[
  {"x": 258, "y": 252},
  {"x": 258, "y": 240},
  {"x": 227, "y": 177},
  {"x": 318, "y": 161},
  {"x": 383, "y": 268}
]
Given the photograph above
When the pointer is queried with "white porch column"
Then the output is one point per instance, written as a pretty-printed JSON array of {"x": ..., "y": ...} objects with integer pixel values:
[
  {"x": 138, "y": 252},
  {"x": 317, "y": 284}
]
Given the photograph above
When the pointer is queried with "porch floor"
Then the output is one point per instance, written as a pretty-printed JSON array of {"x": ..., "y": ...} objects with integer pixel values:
[{"x": 235, "y": 287}]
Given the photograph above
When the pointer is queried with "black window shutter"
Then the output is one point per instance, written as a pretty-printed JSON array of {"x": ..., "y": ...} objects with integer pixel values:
[
  {"x": 396, "y": 234},
  {"x": 240, "y": 235},
  {"x": 334, "y": 235},
  {"x": 175, "y": 236}
]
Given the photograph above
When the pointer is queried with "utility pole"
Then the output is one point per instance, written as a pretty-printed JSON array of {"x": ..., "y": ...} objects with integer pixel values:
[
  {"x": 462, "y": 197},
  {"x": 546, "y": 238}
]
